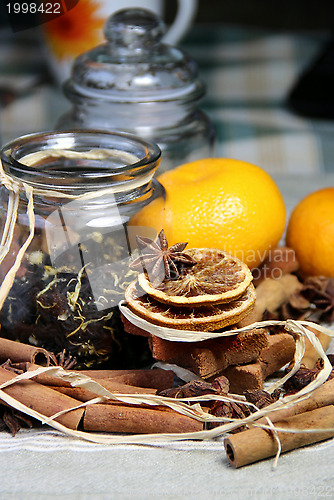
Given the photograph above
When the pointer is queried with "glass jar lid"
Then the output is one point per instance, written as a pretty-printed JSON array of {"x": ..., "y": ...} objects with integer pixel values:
[{"x": 134, "y": 65}]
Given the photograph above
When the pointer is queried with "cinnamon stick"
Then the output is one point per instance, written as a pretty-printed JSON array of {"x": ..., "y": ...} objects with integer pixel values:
[
  {"x": 114, "y": 384},
  {"x": 272, "y": 293},
  {"x": 256, "y": 444},
  {"x": 18, "y": 352},
  {"x": 118, "y": 373},
  {"x": 311, "y": 356},
  {"x": 114, "y": 418},
  {"x": 83, "y": 394},
  {"x": 45, "y": 378},
  {"x": 320, "y": 397},
  {"x": 155, "y": 379},
  {"x": 280, "y": 261},
  {"x": 43, "y": 399}
]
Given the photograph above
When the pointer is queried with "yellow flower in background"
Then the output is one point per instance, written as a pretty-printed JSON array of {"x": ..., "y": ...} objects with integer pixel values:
[{"x": 76, "y": 31}]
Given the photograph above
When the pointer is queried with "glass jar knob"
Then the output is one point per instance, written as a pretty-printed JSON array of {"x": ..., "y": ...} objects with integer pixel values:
[{"x": 134, "y": 30}]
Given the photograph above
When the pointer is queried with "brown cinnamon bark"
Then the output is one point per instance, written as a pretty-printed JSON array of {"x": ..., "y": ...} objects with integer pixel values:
[
  {"x": 45, "y": 378},
  {"x": 280, "y": 261},
  {"x": 43, "y": 399},
  {"x": 18, "y": 352},
  {"x": 278, "y": 353},
  {"x": 254, "y": 444},
  {"x": 82, "y": 394},
  {"x": 210, "y": 357},
  {"x": 311, "y": 356},
  {"x": 155, "y": 379},
  {"x": 322, "y": 396},
  {"x": 272, "y": 293},
  {"x": 113, "y": 418}
]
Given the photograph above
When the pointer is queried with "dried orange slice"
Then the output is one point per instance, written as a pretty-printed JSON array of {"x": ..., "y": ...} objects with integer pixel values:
[
  {"x": 217, "y": 277},
  {"x": 206, "y": 318}
]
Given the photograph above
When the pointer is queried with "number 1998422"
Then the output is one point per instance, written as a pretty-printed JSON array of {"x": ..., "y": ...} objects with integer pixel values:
[{"x": 34, "y": 8}]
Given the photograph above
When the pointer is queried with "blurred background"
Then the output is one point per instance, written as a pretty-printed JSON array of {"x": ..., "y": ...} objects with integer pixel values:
[{"x": 287, "y": 14}]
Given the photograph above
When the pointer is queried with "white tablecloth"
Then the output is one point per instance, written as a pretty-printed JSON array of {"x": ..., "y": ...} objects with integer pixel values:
[{"x": 39, "y": 465}]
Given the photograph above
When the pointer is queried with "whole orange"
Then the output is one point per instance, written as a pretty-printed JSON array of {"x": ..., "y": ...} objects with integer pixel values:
[
  {"x": 310, "y": 232},
  {"x": 219, "y": 203}
]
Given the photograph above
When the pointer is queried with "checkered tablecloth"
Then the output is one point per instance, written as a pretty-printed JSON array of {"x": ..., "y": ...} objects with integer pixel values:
[{"x": 248, "y": 73}]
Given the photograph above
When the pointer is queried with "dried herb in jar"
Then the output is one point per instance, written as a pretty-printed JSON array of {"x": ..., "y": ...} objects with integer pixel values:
[{"x": 56, "y": 308}]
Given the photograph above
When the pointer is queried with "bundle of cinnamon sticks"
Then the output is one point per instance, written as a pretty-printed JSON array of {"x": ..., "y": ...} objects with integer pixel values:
[{"x": 49, "y": 395}]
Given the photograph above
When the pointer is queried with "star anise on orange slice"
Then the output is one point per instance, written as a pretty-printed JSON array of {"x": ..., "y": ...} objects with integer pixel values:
[
  {"x": 204, "y": 317},
  {"x": 216, "y": 278},
  {"x": 159, "y": 261}
]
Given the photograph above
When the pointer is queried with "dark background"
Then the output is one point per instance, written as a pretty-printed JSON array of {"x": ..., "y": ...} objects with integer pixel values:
[{"x": 283, "y": 14}]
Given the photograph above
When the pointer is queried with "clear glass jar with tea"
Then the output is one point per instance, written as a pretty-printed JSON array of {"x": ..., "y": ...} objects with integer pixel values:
[{"x": 66, "y": 200}]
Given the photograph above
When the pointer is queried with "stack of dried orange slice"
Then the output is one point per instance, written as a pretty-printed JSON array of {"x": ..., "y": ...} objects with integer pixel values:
[{"x": 210, "y": 289}]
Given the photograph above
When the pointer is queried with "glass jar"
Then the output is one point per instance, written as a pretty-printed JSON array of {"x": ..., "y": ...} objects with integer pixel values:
[
  {"x": 136, "y": 83},
  {"x": 65, "y": 203}
]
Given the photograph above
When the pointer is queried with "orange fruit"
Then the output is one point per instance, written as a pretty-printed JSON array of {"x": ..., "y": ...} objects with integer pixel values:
[
  {"x": 219, "y": 203},
  {"x": 310, "y": 232}
]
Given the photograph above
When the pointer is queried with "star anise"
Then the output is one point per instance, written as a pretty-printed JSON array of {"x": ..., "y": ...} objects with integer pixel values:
[
  {"x": 229, "y": 409},
  {"x": 304, "y": 376},
  {"x": 64, "y": 360},
  {"x": 191, "y": 389},
  {"x": 13, "y": 420},
  {"x": 314, "y": 301},
  {"x": 12, "y": 367},
  {"x": 158, "y": 260},
  {"x": 261, "y": 398}
]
